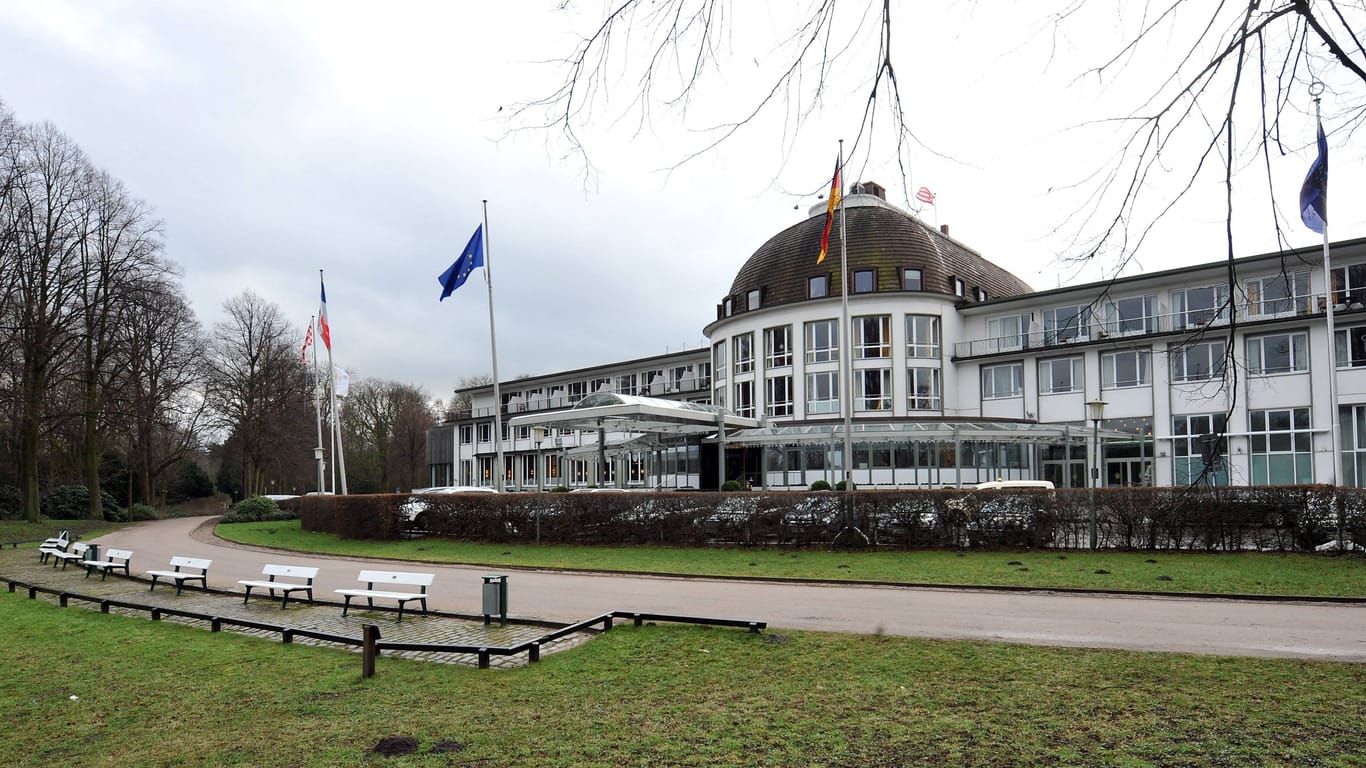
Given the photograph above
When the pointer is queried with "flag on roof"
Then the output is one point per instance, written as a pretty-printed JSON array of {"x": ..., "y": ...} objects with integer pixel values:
[
  {"x": 830, "y": 210},
  {"x": 324, "y": 330},
  {"x": 924, "y": 195},
  {"x": 470, "y": 259},
  {"x": 1314, "y": 193}
]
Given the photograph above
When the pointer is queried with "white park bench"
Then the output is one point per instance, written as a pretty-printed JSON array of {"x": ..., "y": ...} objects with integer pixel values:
[
  {"x": 273, "y": 573},
  {"x": 180, "y": 577},
  {"x": 389, "y": 578},
  {"x": 77, "y": 552},
  {"x": 113, "y": 560},
  {"x": 53, "y": 545}
]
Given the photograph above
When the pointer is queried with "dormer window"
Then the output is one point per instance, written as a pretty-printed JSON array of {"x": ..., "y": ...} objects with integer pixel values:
[
  {"x": 752, "y": 300},
  {"x": 912, "y": 279},
  {"x": 958, "y": 287},
  {"x": 727, "y": 307},
  {"x": 979, "y": 294},
  {"x": 865, "y": 280},
  {"x": 818, "y": 287}
]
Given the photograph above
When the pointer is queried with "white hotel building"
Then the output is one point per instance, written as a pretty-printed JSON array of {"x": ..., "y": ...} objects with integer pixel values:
[{"x": 959, "y": 373}]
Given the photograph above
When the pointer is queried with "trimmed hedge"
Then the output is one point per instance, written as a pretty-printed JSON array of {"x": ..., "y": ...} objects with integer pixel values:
[{"x": 1276, "y": 518}]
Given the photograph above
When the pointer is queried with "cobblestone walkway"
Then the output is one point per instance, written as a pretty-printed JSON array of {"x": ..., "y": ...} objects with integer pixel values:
[{"x": 22, "y": 565}]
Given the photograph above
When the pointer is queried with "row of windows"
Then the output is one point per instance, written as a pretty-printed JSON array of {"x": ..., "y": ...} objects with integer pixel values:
[
  {"x": 860, "y": 281},
  {"x": 821, "y": 343},
  {"x": 678, "y": 378},
  {"x": 1190, "y": 308},
  {"x": 872, "y": 392},
  {"x": 1268, "y": 354},
  {"x": 1280, "y": 447}
]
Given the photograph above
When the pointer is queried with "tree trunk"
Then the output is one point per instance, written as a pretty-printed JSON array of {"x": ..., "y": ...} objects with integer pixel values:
[{"x": 92, "y": 449}]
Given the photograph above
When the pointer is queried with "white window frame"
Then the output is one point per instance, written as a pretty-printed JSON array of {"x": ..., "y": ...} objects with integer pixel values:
[
  {"x": 1066, "y": 324},
  {"x": 1212, "y": 353},
  {"x": 822, "y": 339},
  {"x": 744, "y": 352},
  {"x": 1142, "y": 364},
  {"x": 778, "y": 396},
  {"x": 1008, "y": 332},
  {"x": 1296, "y": 353},
  {"x": 1279, "y": 294},
  {"x": 743, "y": 404},
  {"x": 874, "y": 345},
  {"x": 1121, "y": 320},
  {"x": 822, "y": 392},
  {"x": 922, "y": 337},
  {"x": 719, "y": 361},
  {"x": 778, "y": 355},
  {"x": 1211, "y": 312},
  {"x": 1267, "y": 443},
  {"x": 1050, "y": 367},
  {"x": 1349, "y": 346},
  {"x": 918, "y": 379},
  {"x": 992, "y": 376},
  {"x": 867, "y": 381}
]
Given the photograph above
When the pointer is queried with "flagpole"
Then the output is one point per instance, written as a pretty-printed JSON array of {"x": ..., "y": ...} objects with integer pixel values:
[
  {"x": 493, "y": 350},
  {"x": 317, "y": 408},
  {"x": 1316, "y": 90},
  {"x": 338, "y": 454},
  {"x": 846, "y": 359}
]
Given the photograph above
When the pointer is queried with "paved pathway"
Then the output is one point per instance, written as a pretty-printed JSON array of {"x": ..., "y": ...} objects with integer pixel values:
[{"x": 1330, "y": 631}]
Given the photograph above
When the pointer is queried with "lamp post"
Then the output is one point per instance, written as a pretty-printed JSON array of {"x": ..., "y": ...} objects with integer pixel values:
[
  {"x": 1095, "y": 411},
  {"x": 538, "y": 434}
]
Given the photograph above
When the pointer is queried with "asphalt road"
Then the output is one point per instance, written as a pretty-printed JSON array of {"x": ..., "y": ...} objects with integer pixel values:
[{"x": 1311, "y": 630}]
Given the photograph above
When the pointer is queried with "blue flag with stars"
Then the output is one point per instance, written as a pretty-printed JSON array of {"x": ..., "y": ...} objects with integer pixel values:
[{"x": 470, "y": 259}]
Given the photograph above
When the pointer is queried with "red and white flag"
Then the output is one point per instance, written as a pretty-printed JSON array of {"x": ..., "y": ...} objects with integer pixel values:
[
  {"x": 924, "y": 195},
  {"x": 308, "y": 341},
  {"x": 324, "y": 332}
]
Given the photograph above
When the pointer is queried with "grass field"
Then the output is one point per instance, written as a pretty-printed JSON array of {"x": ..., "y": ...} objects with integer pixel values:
[
  {"x": 1240, "y": 573},
  {"x": 83, "y": 688}
]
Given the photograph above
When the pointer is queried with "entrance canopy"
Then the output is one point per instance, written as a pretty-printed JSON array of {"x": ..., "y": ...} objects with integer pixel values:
[{"x": 635, "y": 414}]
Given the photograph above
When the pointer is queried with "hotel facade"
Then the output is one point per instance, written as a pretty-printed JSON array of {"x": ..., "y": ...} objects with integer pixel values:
[{"x": 957, "y": 373}]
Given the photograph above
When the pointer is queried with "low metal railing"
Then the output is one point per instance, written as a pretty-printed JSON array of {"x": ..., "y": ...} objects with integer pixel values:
[{"x": 370, "y": 641}]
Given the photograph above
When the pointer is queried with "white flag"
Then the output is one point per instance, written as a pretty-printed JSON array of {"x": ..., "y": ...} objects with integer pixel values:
[{"x": 342, "y": 381}]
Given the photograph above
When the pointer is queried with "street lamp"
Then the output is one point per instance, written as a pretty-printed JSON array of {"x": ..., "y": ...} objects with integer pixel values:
[{"x": 1095, "y": 411}]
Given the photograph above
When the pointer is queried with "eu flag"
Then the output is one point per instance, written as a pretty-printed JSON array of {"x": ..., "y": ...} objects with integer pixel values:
[
  {"x": 1314, "y": 193},
  {"x": 470, "y": 259}
]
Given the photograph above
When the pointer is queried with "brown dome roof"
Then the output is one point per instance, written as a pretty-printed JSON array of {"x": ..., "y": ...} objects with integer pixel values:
[{"x": 880, "y": 237}]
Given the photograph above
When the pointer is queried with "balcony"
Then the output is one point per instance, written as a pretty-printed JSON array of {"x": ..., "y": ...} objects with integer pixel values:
[{"x": 1189, "y": 321}]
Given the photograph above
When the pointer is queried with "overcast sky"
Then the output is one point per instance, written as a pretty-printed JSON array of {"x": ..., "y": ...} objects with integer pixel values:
[{"x": 275, "y": 139}]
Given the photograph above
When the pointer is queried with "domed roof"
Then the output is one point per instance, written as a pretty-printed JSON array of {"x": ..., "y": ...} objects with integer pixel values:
[{"x": 881, "y": 237}]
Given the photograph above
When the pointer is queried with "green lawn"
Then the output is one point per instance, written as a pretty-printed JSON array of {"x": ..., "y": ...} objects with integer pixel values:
[
  {"x": 1240, "y": 573},
  {"x": 159, "y": 694},
  {"x": 19, "y": 530}
]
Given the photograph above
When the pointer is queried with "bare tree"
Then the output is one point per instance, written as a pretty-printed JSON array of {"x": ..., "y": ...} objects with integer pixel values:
[
  {"x": 257, "y": 389},
  {"x": 1213, "y": 65},
  {"x": 385, "y": 428},
  {"x": 460, "y": 402},
  {"x": 41, "y": 213},
  {"x": 119, "y": 249},
  {"x": 159, "y": 395}
]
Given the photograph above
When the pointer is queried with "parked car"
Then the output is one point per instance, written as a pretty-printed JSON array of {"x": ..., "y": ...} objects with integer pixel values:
[{"x": 410, "y": 509}]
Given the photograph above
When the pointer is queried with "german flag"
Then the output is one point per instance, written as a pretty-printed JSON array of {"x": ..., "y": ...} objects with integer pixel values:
[{"x": 830, "y": 210}]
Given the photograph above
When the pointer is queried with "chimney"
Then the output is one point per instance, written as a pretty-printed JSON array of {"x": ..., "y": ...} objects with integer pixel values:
[{"x": 944, "y": 229}]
